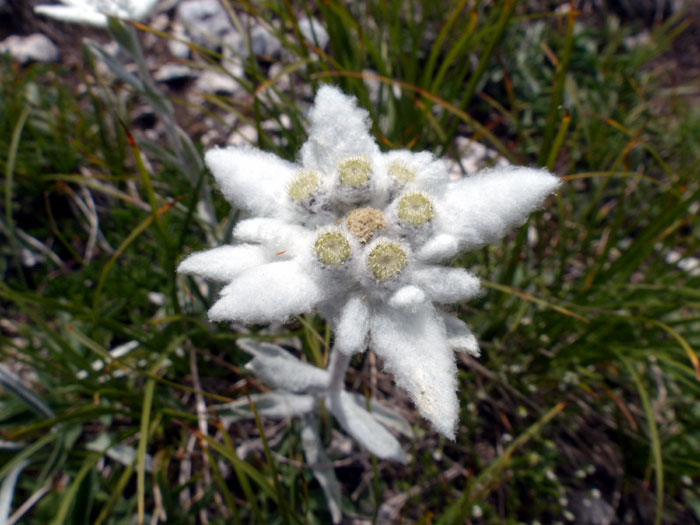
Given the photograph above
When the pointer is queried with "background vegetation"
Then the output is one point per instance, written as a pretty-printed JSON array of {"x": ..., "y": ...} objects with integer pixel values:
[{"x": 584, "y": 406}]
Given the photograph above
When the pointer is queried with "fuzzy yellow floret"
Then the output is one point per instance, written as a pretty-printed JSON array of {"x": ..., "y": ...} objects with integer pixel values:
[
  {"x": 386, "y": 260},
  {"x": 354, "y": 172},
  {"x": 332, "y": 247}
]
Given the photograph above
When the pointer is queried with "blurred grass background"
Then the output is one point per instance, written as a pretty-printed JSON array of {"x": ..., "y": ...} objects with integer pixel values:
[{"x": 584, "y": 406}]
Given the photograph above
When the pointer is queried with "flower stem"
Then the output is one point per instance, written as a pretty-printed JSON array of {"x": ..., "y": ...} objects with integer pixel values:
[{"x": 337, "y": 367}]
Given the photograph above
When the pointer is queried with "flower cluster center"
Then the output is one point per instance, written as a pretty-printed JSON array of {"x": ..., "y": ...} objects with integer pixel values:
[{"x": 362, "y": 223}]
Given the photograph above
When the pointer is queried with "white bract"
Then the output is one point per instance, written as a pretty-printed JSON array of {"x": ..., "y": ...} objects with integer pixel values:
[
  {"x": 95, "y": 12},
  {"x": 358, "y": 235}
]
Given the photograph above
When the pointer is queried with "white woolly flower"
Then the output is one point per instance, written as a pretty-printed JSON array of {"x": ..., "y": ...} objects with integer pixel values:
[
  {"x": 357, "y": 235},
  {"x": 95, "y": 12}
]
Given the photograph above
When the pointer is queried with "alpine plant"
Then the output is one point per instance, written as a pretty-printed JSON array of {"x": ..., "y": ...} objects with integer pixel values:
[{"x": 360, "y": 237}]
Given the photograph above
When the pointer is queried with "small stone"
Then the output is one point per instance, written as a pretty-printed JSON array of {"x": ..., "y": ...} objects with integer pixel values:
[
  {"x": 313, "y": 31},
  {"x": 32, "y": 48},
  {"x": 178, "y": 48},
  {"x": 173, "y": 73},
  {"x": 474, "y": 157},
  {"x": 245, "y": 135},
  {"x": 263, "y": 43},
  {"x": 217, "y": 83},
  {"x": 205, "y": 22}
]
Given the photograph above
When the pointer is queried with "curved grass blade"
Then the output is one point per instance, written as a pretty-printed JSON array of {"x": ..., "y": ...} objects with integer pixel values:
[
  {"x": 9, "y": 179},
  {"x": 7, "y": 490},
  {"x": 653, "y": 436},
  {"x": 684, "y": 344},
  {"x": 69, "y": 495},
  {"x": 141, "y": 451},
  {"x": 541, "y": 302},
  {"x": 500, "y": 28},
  {"x": 562, "y": 68},
  {"x": 14, "y": 384},
  {"x": 483, "y": 484},
  {"x": 123, "y": 246},
  {"x": 26, "y": 453},
  {"x": 281, "y": 501}
]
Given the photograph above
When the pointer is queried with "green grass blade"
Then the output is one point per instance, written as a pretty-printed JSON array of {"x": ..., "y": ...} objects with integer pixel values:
[
  {"x": 69, "y": 496},
  {"x": 653, "y": 436},
  {"x": 506, "y": 13},
  {"x": 143, "y": 443},
  {"x": 9, "y": 179},
  {"x": 558, "y": 89},
  {"x": 281, "y": 500},
  {"x": 457, "y": 512}
]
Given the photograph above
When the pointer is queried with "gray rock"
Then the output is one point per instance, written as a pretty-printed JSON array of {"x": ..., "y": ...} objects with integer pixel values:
[
  {"x": 264, "y": 43},
  {"x": 205, "y": 22},
  {"x": 177, "y": 48},
  {"x": 32, "y": 48},
  {"x": 245, "y": 135},
  {"x": 314, "y": 32},
  {"x": 474, "y": 157},
  {"x": 173, "y": 72},
  {"x": 217, "y": 83}
]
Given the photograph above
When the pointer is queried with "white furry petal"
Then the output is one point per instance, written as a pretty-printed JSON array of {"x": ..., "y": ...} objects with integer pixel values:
[
  {"x": 442, "y": 246},
  {"x": 95, "y": 12},
  {"x": 407, "y": 297},
  {"x": 223, "y": 263},
  {"x": 279, "y": 369},
  {"x": 413, "y": 346},
  {"x": 361, "y": 425},
  {"x": 142, "y": 8},
  {"x": 339, "y": 129},
  {"x": 459, "y": 336},
  {"x": 446, "y": 285},
  {"x": 352, "y": 326},
  {"x": 430, "y": 173},
  {"x": 251, "y": 179},
  {"x": 276, "y": 404},
  {"x": 272, "y": 292},
  {"x": 481, "y": 209},
  {"x": 274, "y": 234},
  {"x": 73, "y": 14}
]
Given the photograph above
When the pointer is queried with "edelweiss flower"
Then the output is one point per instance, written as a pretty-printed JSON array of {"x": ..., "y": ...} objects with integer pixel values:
[
  {"x": 95, "y": 12},
  {"x": 357, "y": 235}
]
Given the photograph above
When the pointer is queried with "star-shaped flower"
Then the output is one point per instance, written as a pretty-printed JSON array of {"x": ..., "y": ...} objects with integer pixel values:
[
  {"x": 356, "y": 235},
  {"x": 95, "y": 12}
]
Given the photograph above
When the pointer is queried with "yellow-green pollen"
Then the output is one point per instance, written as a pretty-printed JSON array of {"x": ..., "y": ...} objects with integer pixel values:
[
  {"x": 401, "y": 172},
  {"x": 415, "y": 208},
  {"x": 303, "y": 185},
  {"x": 386, "y": 260},
  {"x": 332, "y": 247},
  {"x": 362, "y": 223},
  {"x": 354, "y": 172}
]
